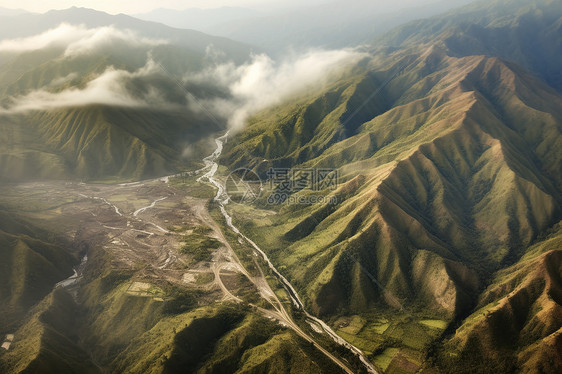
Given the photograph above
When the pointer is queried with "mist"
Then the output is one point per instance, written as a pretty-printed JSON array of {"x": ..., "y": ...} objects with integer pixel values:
[
  {"x": 248, "y": 88},
  {"x": 112, "y": 88},
  {"x": 77, "y": 40},
  {"x": 264, "y": 82}
]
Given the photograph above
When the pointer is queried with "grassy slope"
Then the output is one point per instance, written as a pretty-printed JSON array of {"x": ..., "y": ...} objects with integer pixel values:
[
  {"x": 47, "y": 342},
  {"x": 436, "y": 179},
  {"x": 523, "y": 31},
  {"x": 102, "y": 141},
  {"x": 109, "y": 327},
  {"x": 516, "y": 324},
  {"x": 449, "y": 173},
  {"x": 98, "y": 142},
  {"x": 166, "y": 330},
  {"x": 31, "y": 264},
  {"x": 450, "y": 177}
]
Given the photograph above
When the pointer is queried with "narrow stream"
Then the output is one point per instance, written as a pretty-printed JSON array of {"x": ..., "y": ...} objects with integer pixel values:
[
  {"x": 138, "y": 211},
  {"x": 74, "y": 278},
  {"x": 222, "y": 199}
]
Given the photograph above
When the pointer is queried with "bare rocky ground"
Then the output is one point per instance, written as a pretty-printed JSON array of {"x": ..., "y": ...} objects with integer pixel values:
[{"x": 140, "y": 225}]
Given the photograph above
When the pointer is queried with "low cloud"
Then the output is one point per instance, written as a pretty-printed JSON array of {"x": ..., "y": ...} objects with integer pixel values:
[
  {"x": 224, "y": 90},
  {"x": 263, "y": 82},
  {"x": 77, "y": 40},
  {"x": 59, "y": 81},
  {"x": 112, "y": 87}
]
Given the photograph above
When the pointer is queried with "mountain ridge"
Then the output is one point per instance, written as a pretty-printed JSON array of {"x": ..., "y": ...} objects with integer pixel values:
[{"x": 460, "y": 176}]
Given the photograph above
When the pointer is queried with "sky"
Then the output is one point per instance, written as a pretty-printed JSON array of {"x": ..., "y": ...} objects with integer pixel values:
[{"x": 143, "y": 6}]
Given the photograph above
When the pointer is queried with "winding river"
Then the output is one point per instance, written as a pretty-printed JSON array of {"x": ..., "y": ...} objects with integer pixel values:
[{"x": 222, "y": 198}]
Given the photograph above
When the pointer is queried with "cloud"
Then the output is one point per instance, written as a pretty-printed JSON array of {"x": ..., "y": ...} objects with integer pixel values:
[
  {"x": 77, "y": 40},
  {"x": 59, "y": 81},
  {"x": 263, "y": 82},
  {"x": 113, "y": 87},
  {"x": 224, "y": 90},
  {"x": 60, "y": 36},
  {"x": 102, "y": 37}
]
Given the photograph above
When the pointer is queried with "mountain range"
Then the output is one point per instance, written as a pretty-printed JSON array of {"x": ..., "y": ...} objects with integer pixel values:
[
  {"x": 77, "y": 125},
  {"x": 437, "y": 251},
  {"x": 335, "y": 24},
  {"x": 448, "y": 143}
]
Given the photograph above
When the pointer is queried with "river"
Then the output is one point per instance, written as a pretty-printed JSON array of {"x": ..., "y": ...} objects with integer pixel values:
[
  {"x": 211, "y": 167},
  {"x": 74, "y": 278}
]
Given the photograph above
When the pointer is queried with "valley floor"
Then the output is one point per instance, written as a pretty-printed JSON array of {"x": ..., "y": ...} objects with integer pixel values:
[{"x": 148, "y": 247}]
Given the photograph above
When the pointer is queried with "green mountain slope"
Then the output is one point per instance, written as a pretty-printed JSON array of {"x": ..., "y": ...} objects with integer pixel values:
[
  {"x": 451, "y": 158},
  {"x": 437, "y": 251},
  {"x": 50, "y": 343},
  {"x": 517, "y": 321},
  {"x": 99, "y": 142},
  {"x": 120, "y": 332},
  {"x": 32, "y": 263},
  {"x": 121, "y": 111},
  {"x": 526, "y": 32},
  {"x": 449, "y": 169}
]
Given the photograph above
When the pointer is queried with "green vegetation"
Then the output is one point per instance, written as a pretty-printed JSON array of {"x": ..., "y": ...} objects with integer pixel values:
[
  {"x": 199, "y": 245},
  {"x": 132, "y": 324},
  {"x": 242, "y": 250},
  {"x": 66, "y": 143},
  {"x": 442, "y": 252},
  {"x": 230, "y": 341},
  {"x": 47, "y": 342},
  {"x": 435, "y": 323},
  {"x": 448, "y": 177},
  {"x": 494, "y": 28},
  {"x": 385, "y": 358},
  {"x": 106, "y": 142},
  {"x": 386, "y": 335},
  {"x": 193, "y": 188},
  {"x": 32, "y": 261},
  {"x": 204, "y": 278},
  {"x": 516, "y": 308}
]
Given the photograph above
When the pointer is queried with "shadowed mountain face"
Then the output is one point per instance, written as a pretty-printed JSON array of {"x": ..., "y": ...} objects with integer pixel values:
[
  {"x": 92, "y": 96},
  {"x": 32, "y": 261},
  {"x": 526, "y": 32},
  {"x": 450, "y": 168},
  {"x": 97, "y": 142}
]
